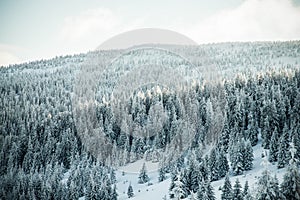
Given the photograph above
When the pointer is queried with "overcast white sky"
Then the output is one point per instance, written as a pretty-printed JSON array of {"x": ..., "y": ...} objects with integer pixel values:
[{"x": 34, "y": 29}]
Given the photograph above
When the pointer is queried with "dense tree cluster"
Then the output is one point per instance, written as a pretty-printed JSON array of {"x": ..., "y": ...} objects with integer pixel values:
[
  {"x": 41, "y": 154},
  {"x": 43, "y": 149}
]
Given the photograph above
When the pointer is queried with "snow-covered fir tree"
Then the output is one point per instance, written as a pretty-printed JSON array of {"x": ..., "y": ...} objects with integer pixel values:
[
  {"x": 273, "y": 153},
  {"x": 252, "y": 130},
  {"x": 213, "y": 165},
  {"x": 143, "y": 176},
  {"x": 241, "y": 157},
  {"x": 224, "y": 138},
  {"x": 130, "y": 191},
  {"x": 178, "y": 192},
  {"x": 222, "y": 163},
  {"x": 283, "y": 155},
  {"x": 246, "y": 192},
  {"x": 290, "y": 187},
  {"x": 227, "y": 193},
  {"x": 114, "y": 194},
  {"x": 267, "y": 186},
  {"x": 161, "y": 174},
  {"x": 237, "y": 158},
  {"x": 248, "y": 156},
  {"x": 237, "y": 191},
  {"x": 205, "y": 191}
]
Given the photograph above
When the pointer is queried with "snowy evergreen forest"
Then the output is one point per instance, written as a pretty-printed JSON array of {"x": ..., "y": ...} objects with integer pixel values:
[{"x": 205, "y": 133}]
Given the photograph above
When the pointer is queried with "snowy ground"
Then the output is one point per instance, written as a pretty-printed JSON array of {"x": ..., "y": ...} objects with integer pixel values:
[
  {"x": 159, "y": 190},
  {"x": 252, "y": 175},
  {"x": 141, "y": 191}
]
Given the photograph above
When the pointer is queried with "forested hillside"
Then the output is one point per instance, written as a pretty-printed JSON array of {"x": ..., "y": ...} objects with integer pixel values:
[{"x": 56, "y": 144}]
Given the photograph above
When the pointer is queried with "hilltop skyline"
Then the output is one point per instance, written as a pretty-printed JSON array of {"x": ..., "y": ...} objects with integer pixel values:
[{"x": 37, "y": 29}]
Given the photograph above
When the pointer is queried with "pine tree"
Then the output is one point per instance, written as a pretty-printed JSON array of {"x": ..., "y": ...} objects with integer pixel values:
[
  {"x": 252, "y": 131},
  {"x": 290, "y": 187},
  {"x": 190, "y": 175},
  {"x": 123, "y": 135},
  {"x": 224, "y": 138},
  {"x": 222, "y": 164},
  {"x": 273, "y": 153},
  {"x": 296, "y": 141},
  {"x": 143, "y": 177},
  {"x": 172, "y": 185},
  {"x": 114, "y": 195},
  {"x": 126, "y": 152},
  {"x": 238, "y": 162},
  {"x": 203, "y": 169},
  {"x": 248, "y": 156},
  {"x": 227, "y": 189},
  {"x": 246, "y": 192},
  {"x": 205, "y": 191},
  {"x": 213, "y": 165},
  {"x": 267, "y": 187},
  {"x": 201, "y": 191},
  {"x": 233, "y": 139},
  {"x": 283, "y": 151},
  {"x": 113, "y": 178},
  {"x": 178, "y": 192},
  {"x": 266, "y": 133},
  {"x": 209, "y": 191},
  {"x": 236, "y": 192},
  {"x": 161, "y": 175},
  {"x": 130, "y": 191},
  {"x": 195, "y": 178}
]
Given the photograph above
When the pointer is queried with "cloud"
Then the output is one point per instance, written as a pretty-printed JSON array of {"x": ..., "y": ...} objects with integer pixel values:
[
  {"x": 87, "y": 30},
  {"x": 253, "y": 20},
  {"x": 7, "y": 58},
  {"x": 8, "y": 54},
  {"x": 88, "y": 23}
]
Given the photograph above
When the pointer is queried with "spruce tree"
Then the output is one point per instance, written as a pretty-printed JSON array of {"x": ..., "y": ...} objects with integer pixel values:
[
  {"x": 121, "y": 142},
  {"x": 178, "y": 191},
  {"x": 205, "y": 191},
  {"x": 283, "y": 151},
  {"x": 248, "y": 156},
  {"x": 213, "y": 165},
  {"x": 227, "y": 189},
  {"x": 191, "y": 175},
  {"x": 273, "y": 153},
  {"x": 246, "y": 192},
  {"x": 222, "y": 163},
  {"x": 236, "y": 192},
  {"x": 209, "y": 191},
  {"x": 290, "y": 187},
  {"x": 161, "y": 174},
  {"x": 143, "y": 177},
  {"x": 187, "y": 173},
  {"x": 195, "y": 178},
  {"x": 201, "y": 191},
  {"x": 172, "y": 185},
  {"x": 266, "y": 133},
  {"x": 114, "y": 195},
  {"x": 224, "y": 138},
  {"x": 203, "y": 170},
  {"x": 252, "y": 131},
  {"x": 130, "y": 191},
  {"x": 238, "y": 162},
  {"x": 267, "y": 187}
]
